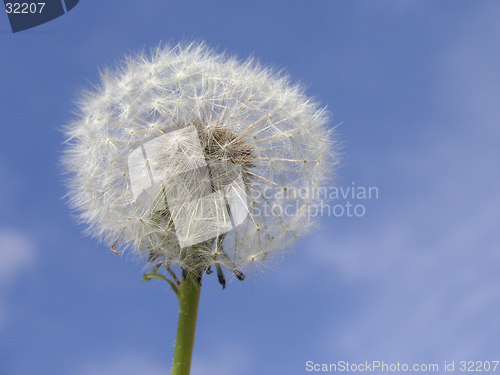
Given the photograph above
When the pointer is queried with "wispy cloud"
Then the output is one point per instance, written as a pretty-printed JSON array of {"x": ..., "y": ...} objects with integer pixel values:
[
  {"x": 17, "y": 254},
  {"x": 131, "y": 364},
  {"x": 225, "y": 360}
]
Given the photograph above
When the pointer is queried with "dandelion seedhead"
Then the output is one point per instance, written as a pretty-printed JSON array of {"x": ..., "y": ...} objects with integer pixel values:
[{"x": 195, "y": 158}]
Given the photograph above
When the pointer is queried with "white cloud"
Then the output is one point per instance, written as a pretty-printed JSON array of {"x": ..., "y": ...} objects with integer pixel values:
[
  {"x": 425, "y": 296},
  {"x": 17, "y": 253},
  {"x": 227, "y": 360},
  {"x": 229, "y": 363},
  {"x": 132, "y": 364}
]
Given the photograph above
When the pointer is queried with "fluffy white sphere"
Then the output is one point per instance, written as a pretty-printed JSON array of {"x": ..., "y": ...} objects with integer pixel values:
[{"x": 196, "y": 158}]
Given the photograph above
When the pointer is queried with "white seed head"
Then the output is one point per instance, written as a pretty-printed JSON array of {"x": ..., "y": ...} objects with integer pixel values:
[{"x": 187, "y": 156}]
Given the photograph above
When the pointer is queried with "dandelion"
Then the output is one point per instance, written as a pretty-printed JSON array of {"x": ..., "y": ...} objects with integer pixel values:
[{"x": 186, "y": 156}]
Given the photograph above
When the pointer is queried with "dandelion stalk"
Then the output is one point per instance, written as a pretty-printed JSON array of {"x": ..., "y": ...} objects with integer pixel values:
[{"x": 189, "y": 297}]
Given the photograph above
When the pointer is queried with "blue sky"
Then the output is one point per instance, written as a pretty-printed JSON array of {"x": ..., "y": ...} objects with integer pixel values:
[{"x": 415, "y": 87}]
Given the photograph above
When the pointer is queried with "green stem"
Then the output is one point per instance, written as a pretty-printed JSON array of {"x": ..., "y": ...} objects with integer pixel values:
[{"x": 189, "y": 298}]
